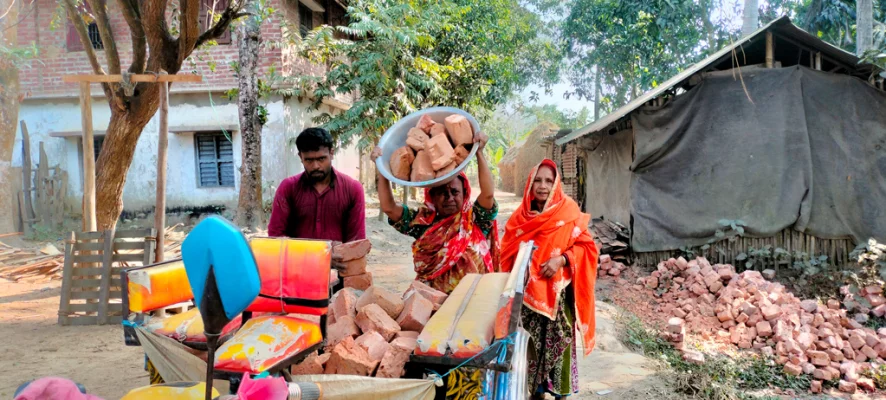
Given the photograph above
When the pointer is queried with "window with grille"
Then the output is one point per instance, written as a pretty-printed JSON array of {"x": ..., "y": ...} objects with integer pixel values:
[
  {"x": 73, "y": 38},
  {"x": 207, "y": 18},
  {"x": 215, "y": 160},
  {"x": 305, "y": 19}
]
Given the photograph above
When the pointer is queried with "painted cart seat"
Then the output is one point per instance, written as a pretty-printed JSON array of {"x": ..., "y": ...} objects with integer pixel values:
[{"x": 266, "y": 342}]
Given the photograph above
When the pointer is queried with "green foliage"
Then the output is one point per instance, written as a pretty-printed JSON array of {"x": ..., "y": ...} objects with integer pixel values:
[
  {"x": 636, "y": 44},
  {"x": 408, "y": 55},
  {"x": 878, "y": 375},
  {"x": 19, "y": 56},
  {"x": 871, "y": 264},
  {"x": 562, "y": 118}
]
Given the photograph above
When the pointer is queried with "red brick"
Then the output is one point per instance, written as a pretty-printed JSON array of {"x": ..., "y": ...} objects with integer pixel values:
[
  {"x": 771, "y": 312},
  {"x": 416, "y": 313},
  {"x": 764, "y": 329},
  {"x": 792, "y": 369},
  {"x": 401, "y": 163},
  {"x": 440, "y": 152},
  {"x": 675, "y": 325},
  {"x": 422, "y": 170},
  {"x": 350, "y": 359},
  {"x": 344, "y": 303},
  {"x": 447, "y": 169},
  {"x": 393, "y": 362},
  {"x": 425, "y": 122},
  {"x": 344, "y": 327},
  {"x": 815, "y": 387},
  {"x": 359, "y": 282},
  {"x": 819, "y": 358},
  {"x": 866, "y": 384},
  {"x": 856, "y": 340},
  {"x": 389, "y": 302},
  {"x": 809, "y": 306},
  {"x": 435, "y": 296},
  {"x": 869, "y": 352},
  {"x": 373, "y": 318},
  {"x": 459, "y": 129},
  {"x": 461, "y": 154},
  {"x": 437, "y": 129},
  {"x": 353, "y": 250},
  {"x": 374, "y": 344},
  {"x": 311, "y": 365},
  {"x": 406, "y": 334},
  {"x": 835, "y": 355},
  {"x": 847, "y": 387},
  {"x": 416, "y": 139},
  {"x": 353, "y": 268},
  {"x": 693, "y": 357},
  {"x": 822, "y": 374}
]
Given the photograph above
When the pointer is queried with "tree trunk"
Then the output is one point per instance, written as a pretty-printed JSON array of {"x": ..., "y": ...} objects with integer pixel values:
[
  {"x": 249, "y": 206},
  {"x": 597, "y": 92},
  {"x": 864, "y": 26},
  {"x": 751, "y": 16},
  {"x": 9, "y": 103}
]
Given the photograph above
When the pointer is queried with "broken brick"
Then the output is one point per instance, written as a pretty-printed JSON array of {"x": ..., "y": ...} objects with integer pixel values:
[
  {"x": 350, "y": 359},
  {"x": 345, "y": 303},
  {"x": 373, "y": 318},
  {"x": 422, "y": 171},
  {"x": 440, "y": 152},
  {"x": 416, "y": 313},
  {"x": 359, "y": 282},
  {"x": 437, "y": 129},
  {"x": 460, "y": 129},
  {"x": 374, "y": 344},
  {"x": 389, "y": 302},
  {"x": 461, "y": 154},
  {"x": 393, "y": 362},
  {"x": 353, "y": 267},
  {"x": 815, "y": 387},
  {"x": 425, "y": 123},
  {"x": 312, "y": 365},
  {"x": 822, "y": 374},
  {"x": 344, "y": 327},
  {"x": 792, "y": 369},
  {"x": 693, "y": 357},
  {"x": 847, "y": 387},
  {"x": 771, "y": 312},
  {"x": 435, "y": 296},
  {"x": 819, "y": 358},
  {"x": 416, "y": 139},
  {"x": 406, "y": 334},
  {"x": 352, "y": 250},
  {"x": 809, "y": 306},
  {"x": 401, "y": 162}
]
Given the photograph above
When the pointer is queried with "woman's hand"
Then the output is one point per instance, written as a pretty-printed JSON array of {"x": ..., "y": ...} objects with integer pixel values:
[
  {"x": 376, "y": 153},
  {"x": 480, "y": 138},
  {"x": 549, "y": 268}
]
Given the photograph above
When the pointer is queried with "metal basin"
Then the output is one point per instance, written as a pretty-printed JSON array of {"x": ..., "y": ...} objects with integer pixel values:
[{"x": 395, "y": 137}]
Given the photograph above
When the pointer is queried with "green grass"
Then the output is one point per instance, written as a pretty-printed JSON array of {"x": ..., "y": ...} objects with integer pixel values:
[{"x": 719, "y": 378}]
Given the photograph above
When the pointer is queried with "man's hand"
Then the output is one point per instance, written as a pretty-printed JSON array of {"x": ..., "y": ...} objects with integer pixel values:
[
  {"x": 549, "y": 268},
  {"x": 376, "y": 153},
  {"x": 480, "y": 138}
]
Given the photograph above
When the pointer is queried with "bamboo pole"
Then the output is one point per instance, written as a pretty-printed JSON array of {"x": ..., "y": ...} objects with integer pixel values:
[
  {"x": 818, "y": 61},
  {"x": 160, "y": 208},
  {"x": 770, "y": 50},
  {"x": 89, "y": 224}
]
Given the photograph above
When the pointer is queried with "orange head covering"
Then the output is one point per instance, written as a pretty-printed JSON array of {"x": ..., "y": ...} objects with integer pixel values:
[{"x": 560, "y": 228}]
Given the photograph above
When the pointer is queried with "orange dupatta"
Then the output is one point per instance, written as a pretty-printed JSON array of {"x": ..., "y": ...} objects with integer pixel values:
[{"x": 560, "y": 229}]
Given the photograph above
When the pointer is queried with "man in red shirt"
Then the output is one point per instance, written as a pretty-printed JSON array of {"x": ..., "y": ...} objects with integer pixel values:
[{"x": 318, "y": 203}]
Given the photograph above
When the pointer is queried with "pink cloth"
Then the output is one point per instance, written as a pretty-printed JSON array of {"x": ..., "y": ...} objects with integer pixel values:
[
  {"x": 53, "y": 389},
  {"x": 263, "y": 389},
  {"x": 338, "y": 214}
]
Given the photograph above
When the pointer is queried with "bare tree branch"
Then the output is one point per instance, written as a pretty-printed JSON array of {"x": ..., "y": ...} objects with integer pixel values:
[
  {"x": 164, "y": 48},
  {"x": 100, "y": 11},
  {"x": 137, "y": 33},
  {"x": 189, "y": 26},
  {"x": 228, "y": 16},
  {"x": 76, "y": 19}
]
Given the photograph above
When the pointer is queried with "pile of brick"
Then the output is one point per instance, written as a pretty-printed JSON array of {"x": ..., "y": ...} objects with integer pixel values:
[
  {"x": 373, "y": 332},
  {"x": 608, "y": 267},
  {"x": 752, "y": 313},
  {"x": 352, "y": 255}
]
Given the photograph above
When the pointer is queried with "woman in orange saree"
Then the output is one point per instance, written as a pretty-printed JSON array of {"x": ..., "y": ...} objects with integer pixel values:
[{"x": 559, "y": 296}]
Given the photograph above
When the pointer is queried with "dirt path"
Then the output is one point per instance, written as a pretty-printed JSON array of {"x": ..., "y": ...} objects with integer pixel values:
[{"x": 34, "y": 346}]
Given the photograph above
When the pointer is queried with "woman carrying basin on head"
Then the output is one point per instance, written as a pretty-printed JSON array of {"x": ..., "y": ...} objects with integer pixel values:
[
  {"x": 453, "y": 237},
  {"x": 559, "y": 295}
]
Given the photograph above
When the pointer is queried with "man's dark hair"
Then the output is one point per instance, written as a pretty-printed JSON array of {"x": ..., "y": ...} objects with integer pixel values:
[{"x": 313, "y": 139}]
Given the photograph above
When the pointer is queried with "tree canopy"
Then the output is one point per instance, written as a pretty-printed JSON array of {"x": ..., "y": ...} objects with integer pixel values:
[{"x": 405, "y": 55}]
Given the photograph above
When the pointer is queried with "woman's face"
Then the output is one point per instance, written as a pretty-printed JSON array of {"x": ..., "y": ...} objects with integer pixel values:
[
  {"x": 543, "y": 183},
  {"x": 448, "y": 198}
]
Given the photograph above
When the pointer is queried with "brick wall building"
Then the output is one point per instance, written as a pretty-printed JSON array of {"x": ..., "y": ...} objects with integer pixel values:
[{"x": 200, "y": 117}]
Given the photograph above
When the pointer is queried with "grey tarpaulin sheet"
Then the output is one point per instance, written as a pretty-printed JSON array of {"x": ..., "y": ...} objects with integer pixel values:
[
  {"x": 808, "y": 153},
  {"x": 609, "y": 178}
]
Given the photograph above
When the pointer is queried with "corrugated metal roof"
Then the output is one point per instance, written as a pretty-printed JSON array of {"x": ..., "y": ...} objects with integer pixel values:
[{"x": 782, "y": 26}]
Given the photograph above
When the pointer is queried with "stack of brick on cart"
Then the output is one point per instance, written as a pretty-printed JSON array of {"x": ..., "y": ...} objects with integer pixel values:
[
  {"x": 751, "y": 312},
  {"x": 371, "y": 331}
]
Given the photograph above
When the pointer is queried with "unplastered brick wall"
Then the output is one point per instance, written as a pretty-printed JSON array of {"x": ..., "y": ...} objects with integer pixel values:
[
  {"x": 43, "y": 77},
  {"x": 566, "y": 157}
]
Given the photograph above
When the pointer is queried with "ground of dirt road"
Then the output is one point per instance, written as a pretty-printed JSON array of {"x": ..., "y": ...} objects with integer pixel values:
[{"x": 33, "y": 345}]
